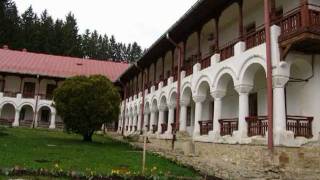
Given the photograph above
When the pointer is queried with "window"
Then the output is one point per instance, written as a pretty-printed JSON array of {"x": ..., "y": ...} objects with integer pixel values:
[
  {"x": 29, "y": 90},
  {"x": 2, "y": 82},
  {"x": 50, "y": 90}
]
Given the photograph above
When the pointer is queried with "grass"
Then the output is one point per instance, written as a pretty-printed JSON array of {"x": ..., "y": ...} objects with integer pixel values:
[{"x": 38, "y": 148}]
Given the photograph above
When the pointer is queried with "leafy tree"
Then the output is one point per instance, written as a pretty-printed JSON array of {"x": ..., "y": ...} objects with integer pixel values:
[{"x": 85, "y": 103}]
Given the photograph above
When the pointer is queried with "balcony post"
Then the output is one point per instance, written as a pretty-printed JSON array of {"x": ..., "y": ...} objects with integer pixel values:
[
  {"x": 53, "y": 121},
  {"x": 198, "y": 99},
  {"x": 279, "y": 109},
  {"x": 243, "y": 91},
  {"x": 217, "y": 95},
  {"x": 183, "y": 115},
  {"x": 305, "y": 18},
  {"x": 16, "y": 118}
]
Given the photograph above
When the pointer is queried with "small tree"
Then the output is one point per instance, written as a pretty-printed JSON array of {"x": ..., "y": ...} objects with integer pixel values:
[{"x": 85, "y": 103}]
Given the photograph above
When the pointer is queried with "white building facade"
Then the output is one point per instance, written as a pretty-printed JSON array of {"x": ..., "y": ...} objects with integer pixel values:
[
  {"x": 28, "y": 80},
  {"x": 223, "y": 91}
]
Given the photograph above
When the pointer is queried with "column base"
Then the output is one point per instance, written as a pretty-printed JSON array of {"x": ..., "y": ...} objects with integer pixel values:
[
  {"x": 52, "y": 126},
  {"x": 215, "y": 136},
  {"x": 241, "y": 137},
  {"x": 15, "y": 124},
  {"x": 286, "y": 138}
]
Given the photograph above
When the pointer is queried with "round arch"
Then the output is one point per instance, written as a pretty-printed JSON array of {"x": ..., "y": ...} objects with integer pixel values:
[
  {"x": 200, "y": 81},
  {"x": 250, "y": 68}
]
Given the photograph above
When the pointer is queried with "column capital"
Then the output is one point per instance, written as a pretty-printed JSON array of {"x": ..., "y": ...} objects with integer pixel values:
[
  {"x": 243, "y": 88},
  {"x": 171, "y": 105},
  {"x": 162, "y": 107},
  {"x": 199, "y": 98},
  {"x": 153, "y": 109},
  {"x": 218, "y": 94},
  {"x": 279, "y": 81},
  {"x": 184, "y": 103}
]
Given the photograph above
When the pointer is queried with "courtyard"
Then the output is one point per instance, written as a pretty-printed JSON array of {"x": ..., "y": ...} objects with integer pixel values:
[{"x": 56, "y": 151}]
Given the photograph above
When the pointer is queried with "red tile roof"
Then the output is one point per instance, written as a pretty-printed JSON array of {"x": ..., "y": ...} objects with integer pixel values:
[{"x": 12, "y": 61}]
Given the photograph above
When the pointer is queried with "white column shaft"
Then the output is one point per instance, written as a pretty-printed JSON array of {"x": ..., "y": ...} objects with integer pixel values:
[
  {"x": 279, "y": 109},
  {"x": 243, "y": 113},
  {"x": 170, "y": 120},
  {"x": 183, "y": 118},
  {"x": 160, "y": 121},
  {"x": 217, "y": 114},
  {"x": 198, "y": 116},
  {"x": 53, "y": 121},
  {"x": 16, "y": 119}
]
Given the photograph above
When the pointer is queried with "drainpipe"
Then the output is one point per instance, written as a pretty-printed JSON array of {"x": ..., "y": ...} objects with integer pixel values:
[
  {"x": 269, "y": 73},
  {"x": 124, "y": 106},
  {"x": 178, "y": 89}
]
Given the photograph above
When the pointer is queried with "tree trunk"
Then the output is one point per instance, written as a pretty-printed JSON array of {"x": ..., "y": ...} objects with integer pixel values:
[{"x": 87, "y": 137}]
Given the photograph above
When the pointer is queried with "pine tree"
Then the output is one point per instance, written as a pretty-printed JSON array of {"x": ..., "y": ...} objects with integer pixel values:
[
  {"x": 46, "y": 33},
  {"x": 9, "y": 24}
]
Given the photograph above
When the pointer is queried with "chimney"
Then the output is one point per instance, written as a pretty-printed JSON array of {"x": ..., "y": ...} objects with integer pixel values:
[
  {"x": 5, "y": 47},
  {"x": 24, "y": 50}
]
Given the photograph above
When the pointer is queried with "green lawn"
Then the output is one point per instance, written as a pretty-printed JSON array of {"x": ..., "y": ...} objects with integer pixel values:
[{"x": 34, "y": 149}]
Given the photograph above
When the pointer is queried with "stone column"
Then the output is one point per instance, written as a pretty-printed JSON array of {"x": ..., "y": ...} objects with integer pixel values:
[
  {"x": 146, "y": 119},
  {"x": 134, "y": 123},
  {"x": 53, "y": 121},
  {"x": 16, "y": 118},
  {"x": 279, "y": 110},
  {"x": 139, "y": 122},
  {"x": 162, "y": 108},
  {"x": 152, "y": 119},
  {"x": 243, "y": 91},
  {"x": 170, "y": 118},
  {"x": 183, "y": 115},
  {"x": 198, "y": 111},
  {"x": 217, "y": 96}
]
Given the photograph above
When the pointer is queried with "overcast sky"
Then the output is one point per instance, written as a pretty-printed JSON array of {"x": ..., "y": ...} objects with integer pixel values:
[{"x": 143, "y": 21}]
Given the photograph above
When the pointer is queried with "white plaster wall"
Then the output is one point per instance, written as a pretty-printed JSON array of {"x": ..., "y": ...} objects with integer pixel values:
[
  {"x": 288, "y": 5},
  {"x": 230, "y": 103},
  {"x": 228, "y": 26},
  {"x": 303, "y": 97},
  {"x": 167, "y": 63},
  {"x": 260, "y": 87},
  {"x": 192, "y": 45},
  {"x": 253, "y": 11},
  {"x": 159, "y": 69},
  {"x": 12, "y": 83},
  {"x": 208, "y": 28}
]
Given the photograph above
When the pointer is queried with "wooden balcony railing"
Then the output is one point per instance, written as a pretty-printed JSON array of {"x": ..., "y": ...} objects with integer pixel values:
[
  {"x": 255, "y": 38},
  {"x": 127, "y": 128},
  {"x": 205, "y": 127},
  {"x": 300, "y": 125},
  {"x": 147, "y": 127},
  {"x": 164, "y": 128},
  {"x": 154, "y": 128},
  {"x": 130, "y": 128},
  {"x": 43, "y": 124},
  {"x": 28, "y": 95},
  {"x": 135, "y": 128},
  {"x": 227, "y": 126},
  {"x": 10, "y": 94},
  {"x": 257, "y": 125},
  {"x": 6, "y": 122},
  {"x": 59, "y": 125},
  {"x": 46, "y": 96},
  {"x": 189, "y": 69},
  {"x": 26, "y": 123},
  {"x": 227, "y": 50},
  {"x": 205, "y": 62},
  {"x": 165, "y": 82},
  {"x": 292, "y": 23}
]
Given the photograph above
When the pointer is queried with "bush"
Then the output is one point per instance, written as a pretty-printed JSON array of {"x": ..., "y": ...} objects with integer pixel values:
[{"x": 85, "y": 103}]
